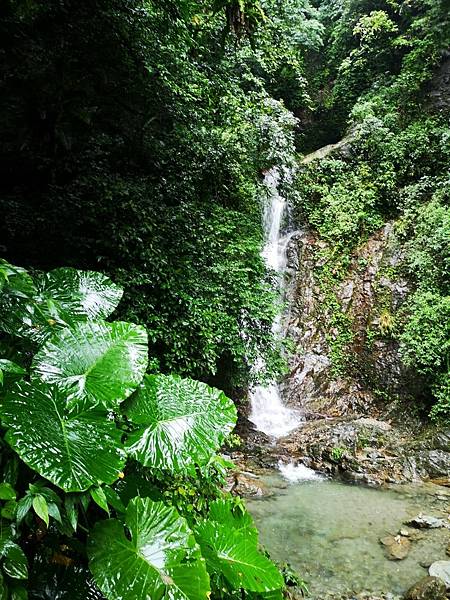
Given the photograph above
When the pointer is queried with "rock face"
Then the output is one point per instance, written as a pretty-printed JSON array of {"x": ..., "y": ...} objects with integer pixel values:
[
  {"x": 360, "y": 424},
  {"x": 439, "y": 95},
  {"x": 428, "y": 588}
]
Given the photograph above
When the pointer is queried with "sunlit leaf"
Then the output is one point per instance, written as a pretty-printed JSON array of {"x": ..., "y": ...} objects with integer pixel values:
[
  {"x": 161, "y": 560},
  {"x": 236, "y": 557},
  {"x": 72, "y": 450},
  {"x": 41, "y": 508},
  {"x": 183, "y": 422},
  {"x": 94, "y": 363}
]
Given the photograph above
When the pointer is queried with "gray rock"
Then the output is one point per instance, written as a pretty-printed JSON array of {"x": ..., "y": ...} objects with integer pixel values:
[
  {"x": 441, "y": 440},
  {"x": 428, "y": 588},
  {"x": 434, "y": 462},
  {"x": 441, "y": 569},
  {"x": 426, "y": 522}
]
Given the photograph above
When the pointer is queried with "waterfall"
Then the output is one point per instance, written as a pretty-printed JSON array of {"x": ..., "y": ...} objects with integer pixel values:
[{"x": 268, "y": 413}]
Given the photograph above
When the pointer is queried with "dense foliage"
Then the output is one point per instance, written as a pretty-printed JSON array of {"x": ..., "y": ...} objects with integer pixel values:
[
  {"x": 135, "y": 135},
  {"x": 87, "y": 434},
  {"x": 376, "y": 77}
]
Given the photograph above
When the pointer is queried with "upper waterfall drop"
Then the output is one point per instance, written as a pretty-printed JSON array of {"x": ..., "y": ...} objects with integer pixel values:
[{"x": 268, "y": 413}]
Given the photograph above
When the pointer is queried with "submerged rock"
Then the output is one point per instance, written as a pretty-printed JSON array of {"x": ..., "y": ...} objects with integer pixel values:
[
  {"x": 441, "y": 569},
  {"x": 396, "y": 547},
  {"x": 428, "y": 588}
]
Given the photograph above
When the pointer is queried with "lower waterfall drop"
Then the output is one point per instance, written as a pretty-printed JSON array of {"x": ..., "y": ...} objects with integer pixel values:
[{"x": 268, "y": 412}]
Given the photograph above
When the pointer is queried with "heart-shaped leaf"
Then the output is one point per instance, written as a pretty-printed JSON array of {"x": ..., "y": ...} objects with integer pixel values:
[
  {"x": 58, "y": 299},
  {"x": 94, "y": 363},
  {"x": 161, "y": 560},
  {"x": 74, "y": 450},
  {"x": 79, "y": 295},
  {"x": 183, "y": 422},
  {"x": 235, "y": 556},
  {"x": 232, "y": 513}
]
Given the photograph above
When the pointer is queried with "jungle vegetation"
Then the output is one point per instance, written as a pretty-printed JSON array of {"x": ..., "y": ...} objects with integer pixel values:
[{"x": 133, "y": 298}]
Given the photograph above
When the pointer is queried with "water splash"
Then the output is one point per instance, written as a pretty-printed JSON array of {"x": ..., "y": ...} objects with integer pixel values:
[
  {"x": 268, "y": 412},
  {"x": 296, "y": 473}
]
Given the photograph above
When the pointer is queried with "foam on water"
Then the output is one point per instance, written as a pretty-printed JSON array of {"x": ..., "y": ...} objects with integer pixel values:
[{"x": 297, "y": 473}]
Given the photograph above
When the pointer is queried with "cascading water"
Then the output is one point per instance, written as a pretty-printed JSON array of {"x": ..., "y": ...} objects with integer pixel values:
[{"x": 268, "y": 413}]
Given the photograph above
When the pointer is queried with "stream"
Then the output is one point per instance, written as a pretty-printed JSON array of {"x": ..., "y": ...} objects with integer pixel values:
[{"x": 329, "y": 532}]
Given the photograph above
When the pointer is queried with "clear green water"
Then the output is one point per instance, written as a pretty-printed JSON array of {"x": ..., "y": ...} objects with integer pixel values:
[{"x": 329, "y": 532}]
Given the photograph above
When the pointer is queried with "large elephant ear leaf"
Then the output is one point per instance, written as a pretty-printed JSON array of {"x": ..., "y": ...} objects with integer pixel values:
[
  {"x": 72, "y": 450},
  {"x": 183, "y": 422},
  {"x": 59, "y": 299},
  {"x": 94, "y": 363},
  {"x": 233, "y": 555},
  {"x": 161, "y": 560},
  {"x": 79, "y": 295},
  {"x": 232, "y": 513}
]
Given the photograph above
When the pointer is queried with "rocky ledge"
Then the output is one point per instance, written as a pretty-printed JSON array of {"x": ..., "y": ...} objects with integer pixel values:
[{"x": 359, "y": 425}]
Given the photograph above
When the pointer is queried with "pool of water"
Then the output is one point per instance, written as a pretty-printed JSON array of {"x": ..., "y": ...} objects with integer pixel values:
[{"x": 329, "y": 532}]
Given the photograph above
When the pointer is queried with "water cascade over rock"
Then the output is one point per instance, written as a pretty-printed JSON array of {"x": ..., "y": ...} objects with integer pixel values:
[{"x": 268, "y": 413}]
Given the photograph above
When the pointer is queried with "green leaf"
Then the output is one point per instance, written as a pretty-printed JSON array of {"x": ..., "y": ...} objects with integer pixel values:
[
  {"x": 53, "y": 511},
  {"x": 18, "y": 592},
  {"x": 8, "y": 366},
  {"x": 79, "y": 295},
  {"x": 41, "y": 508},
  {"x": 48, "y": 493},
  {"x": 59, "y": 299},
  {"x": 94, "y": 363},
  {"x": 9, "y": 510},
  {"x": 23, "y": 507},
  {"x": 235, "y": 556},
  {"x": 71, "y": 510},
  {"x": 229, "y": 513},
  {"x": 15, "y": 562},
  {"x": 7, "y": 492},
  {"x": 183, "y": 422},
  {"x": 113, "y": 499},
  {"x": 16, "y": 307},
  {"x": 161, "y": 560},
  {"x": 73, "y": 450},
  {"x": 3, "y": 588},
  {"x": 98, "y": 496},
  {"x": 6, "y": 536}
]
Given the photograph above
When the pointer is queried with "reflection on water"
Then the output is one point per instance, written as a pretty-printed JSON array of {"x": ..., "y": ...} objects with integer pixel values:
[{"x": 329, "y": 532}]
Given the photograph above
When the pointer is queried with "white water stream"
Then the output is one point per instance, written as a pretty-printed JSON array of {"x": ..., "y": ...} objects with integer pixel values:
[{"x": 268, "y": 412}]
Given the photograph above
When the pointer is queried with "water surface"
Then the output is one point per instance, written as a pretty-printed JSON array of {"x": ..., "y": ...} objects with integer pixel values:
[{"x": 329, "y": 532}]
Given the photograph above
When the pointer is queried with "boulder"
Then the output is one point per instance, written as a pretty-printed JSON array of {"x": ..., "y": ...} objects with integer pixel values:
[
  {"x": 428, "y": 588},
  {"x": 426, "y": 522},
  {"x": 441, "y": 569},
  {"x": 397, "y": 547}
]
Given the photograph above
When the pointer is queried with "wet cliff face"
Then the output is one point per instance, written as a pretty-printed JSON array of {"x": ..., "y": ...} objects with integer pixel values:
[
  {"x": 360, "y": 420},
  {"x": 368, "y": 297}
]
